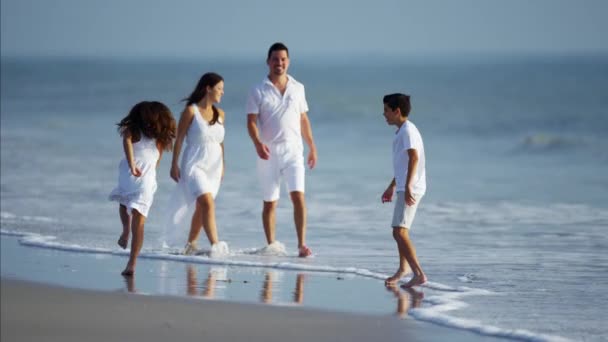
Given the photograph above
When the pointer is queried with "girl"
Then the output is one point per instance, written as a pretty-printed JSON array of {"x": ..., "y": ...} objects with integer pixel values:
[
  {"x": 146, "y": 131},
  {"x": 202, "y": 166}
]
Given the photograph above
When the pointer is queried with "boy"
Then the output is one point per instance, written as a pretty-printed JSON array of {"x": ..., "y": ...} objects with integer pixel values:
[{"x": 410, "y": 183}]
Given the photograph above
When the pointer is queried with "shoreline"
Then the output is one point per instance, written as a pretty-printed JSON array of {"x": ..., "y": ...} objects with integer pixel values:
[{"x": 66, "y": 296}]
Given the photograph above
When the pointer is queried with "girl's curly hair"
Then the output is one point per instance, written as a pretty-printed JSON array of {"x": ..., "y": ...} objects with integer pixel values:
[{"x": 152, "y": 119}]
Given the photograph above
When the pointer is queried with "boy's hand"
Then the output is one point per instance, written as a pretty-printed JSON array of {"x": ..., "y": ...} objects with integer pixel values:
[
  {"x": 135, "y": 171},
  {"x": 387, "y": 196},
  {"x": 409, "y": 199}
]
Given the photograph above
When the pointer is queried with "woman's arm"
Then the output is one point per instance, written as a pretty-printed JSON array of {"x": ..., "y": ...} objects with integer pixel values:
[{"x": 184, "y": 123}]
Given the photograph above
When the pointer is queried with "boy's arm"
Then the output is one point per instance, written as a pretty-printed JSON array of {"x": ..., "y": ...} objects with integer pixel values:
[
  {"x": 127, "y": 144},
  {"x": 387, "y": 196},
  {"x": 412, "y": 166}
]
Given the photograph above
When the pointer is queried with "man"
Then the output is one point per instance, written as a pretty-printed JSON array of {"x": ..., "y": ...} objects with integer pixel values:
[{"x": 277, "y": 121}]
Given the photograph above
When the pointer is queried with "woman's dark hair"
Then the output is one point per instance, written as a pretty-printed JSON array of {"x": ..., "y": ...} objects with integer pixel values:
[
  {"x": 397, "y": 100},
  {"x": 152, "y": 119},
  {"x": 209, "y": 79}
]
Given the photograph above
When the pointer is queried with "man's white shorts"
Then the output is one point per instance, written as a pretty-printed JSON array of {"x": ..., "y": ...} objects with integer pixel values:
[
  {"x": 286, "y": 162},
  {"x": 403, "y": 216}
]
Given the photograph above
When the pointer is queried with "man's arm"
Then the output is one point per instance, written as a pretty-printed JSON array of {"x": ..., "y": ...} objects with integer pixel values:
[
  {"x": 252, "y": 127},
  {"x": 307, "y": 135}
]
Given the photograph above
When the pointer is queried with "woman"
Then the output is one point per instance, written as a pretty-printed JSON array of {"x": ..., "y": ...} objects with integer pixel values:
[{"x": 201, "y": 169}]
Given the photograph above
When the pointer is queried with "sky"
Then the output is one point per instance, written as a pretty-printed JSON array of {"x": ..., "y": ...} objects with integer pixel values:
[{"x": 321, "y": 28}]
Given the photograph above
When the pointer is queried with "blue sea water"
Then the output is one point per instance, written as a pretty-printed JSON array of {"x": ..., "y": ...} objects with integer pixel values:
[{"x": 513, "y": 226}]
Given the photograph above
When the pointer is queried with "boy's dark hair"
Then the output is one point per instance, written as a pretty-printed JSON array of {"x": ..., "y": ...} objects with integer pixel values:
[
  {"x": 277, "y": 47},
  {"x": 398, "y": 100}
]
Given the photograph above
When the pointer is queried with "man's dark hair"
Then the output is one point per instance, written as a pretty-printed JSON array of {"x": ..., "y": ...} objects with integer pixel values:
[
  {"x": 398, "y": 100},
  {"x": 277, "y": 47}
]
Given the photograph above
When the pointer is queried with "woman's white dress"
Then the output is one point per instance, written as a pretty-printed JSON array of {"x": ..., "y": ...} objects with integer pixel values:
[
  {"x": 200, "y": 173},
  {"x": 138, "y": 192}
]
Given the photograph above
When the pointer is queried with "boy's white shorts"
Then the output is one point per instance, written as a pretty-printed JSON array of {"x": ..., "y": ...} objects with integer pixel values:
[
  {"x": 286, "y": 162},
  {"x": 403, "y": 216}
]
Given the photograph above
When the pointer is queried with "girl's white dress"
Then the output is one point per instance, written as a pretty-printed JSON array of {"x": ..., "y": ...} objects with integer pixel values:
[
  {"x": 200, "y": 173},
  {"x": 138, "y": 192}
]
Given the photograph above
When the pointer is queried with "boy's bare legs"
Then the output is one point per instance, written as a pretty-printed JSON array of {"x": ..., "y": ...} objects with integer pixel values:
[
  {"x": 269, "y": 220},
  {"x": 404, "y": 268},
  {"x": 137, "y": 240},
  {"x": 410, "y": 255},
  {"x": 123, "y": 240},
  {"x": 299, "y": 218}
]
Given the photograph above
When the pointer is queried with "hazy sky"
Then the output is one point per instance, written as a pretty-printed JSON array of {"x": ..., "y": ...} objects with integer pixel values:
[{"x": 242, "y": 28}]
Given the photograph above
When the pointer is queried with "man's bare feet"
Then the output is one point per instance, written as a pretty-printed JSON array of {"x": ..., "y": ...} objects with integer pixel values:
[
  {"x": 123, "y": 241},
  {"x": 304, "y": 252},
  {"x": 395, "y": 277},
  {"x": 418, "y": 279}
]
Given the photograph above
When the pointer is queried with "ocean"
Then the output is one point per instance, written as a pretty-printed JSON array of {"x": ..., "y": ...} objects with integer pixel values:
[{"x": 512, "y": 230}]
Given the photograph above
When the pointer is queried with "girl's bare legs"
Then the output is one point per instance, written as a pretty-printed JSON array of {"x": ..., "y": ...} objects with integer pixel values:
[
  {"x": 137, "y": 240},
  {"x": 126, "y": 226}
]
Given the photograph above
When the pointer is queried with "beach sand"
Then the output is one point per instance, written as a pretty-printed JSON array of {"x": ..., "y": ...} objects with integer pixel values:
[{"x": 52, "y": 295}]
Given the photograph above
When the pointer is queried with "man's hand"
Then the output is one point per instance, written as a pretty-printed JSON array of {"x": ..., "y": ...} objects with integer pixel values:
[
  {"x": 312, "y": 158},
  {"x": 263, "y": 151}
]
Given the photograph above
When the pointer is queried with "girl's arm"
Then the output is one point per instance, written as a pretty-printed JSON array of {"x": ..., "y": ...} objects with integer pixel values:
[
  {"x": 160, "y": 153},
  {"x": 127, "y": 144},
  {"x": 184, "y": 122}
]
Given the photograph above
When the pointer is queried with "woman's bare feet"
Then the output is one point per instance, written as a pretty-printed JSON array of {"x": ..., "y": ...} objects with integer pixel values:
[
  {"x": 395, "y": 277},
  {"x": 418, "y": 279},
  {"x": 123, "y": 241}
]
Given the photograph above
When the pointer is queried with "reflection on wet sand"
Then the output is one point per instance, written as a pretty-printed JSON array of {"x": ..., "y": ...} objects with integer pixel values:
[
  {"x": 213, "y": 283},
  {"x": 266, "y": 294},
  {"x": 130, "y": 283},
  {"x": 207, "y": 290},
  {"x": 406, "y": 298}
]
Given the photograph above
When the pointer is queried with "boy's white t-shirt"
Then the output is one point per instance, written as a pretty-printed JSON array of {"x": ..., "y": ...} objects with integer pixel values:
[
  {"x": 278, "y": 115},
  {"x": 408, "y": 137}
]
